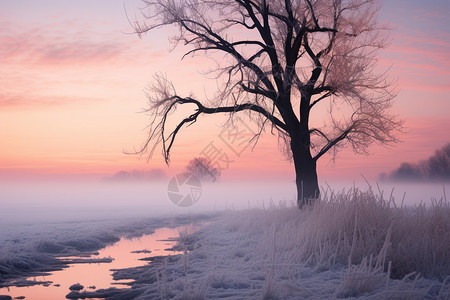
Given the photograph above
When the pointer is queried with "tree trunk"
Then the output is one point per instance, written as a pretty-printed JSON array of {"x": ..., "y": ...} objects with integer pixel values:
[{"x": 306, "y": 173}]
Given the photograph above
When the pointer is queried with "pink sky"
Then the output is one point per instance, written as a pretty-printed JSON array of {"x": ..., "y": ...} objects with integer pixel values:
[{"x": 72, "y": 89}]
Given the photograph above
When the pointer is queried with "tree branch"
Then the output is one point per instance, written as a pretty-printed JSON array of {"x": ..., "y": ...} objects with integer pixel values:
[
  {"x": 328, "y": 94},
  {"x": 207, "y": 110},
  {"x": 332, "y": 143}
]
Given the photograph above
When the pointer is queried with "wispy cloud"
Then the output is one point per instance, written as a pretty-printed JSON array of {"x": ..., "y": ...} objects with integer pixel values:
[
  {"x": 432, "y": 48},
  {"x": 47, "y": 46},
  {"x": 432, "y": 16},
  {"x": 420, "y": 61},
  {"x": 18, "y": 101},
  {"x": 27, "y": 89},
  {"x": 63, "y": 63}
]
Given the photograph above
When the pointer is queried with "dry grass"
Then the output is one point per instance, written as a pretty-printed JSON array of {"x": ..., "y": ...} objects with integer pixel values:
[
  {"x": 355, "y": 225},
  {"x": 349, "y": 244},
  {"x": 376, "y": 239}
]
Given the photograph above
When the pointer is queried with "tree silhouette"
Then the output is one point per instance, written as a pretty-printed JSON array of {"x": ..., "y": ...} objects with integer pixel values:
[
  {"x": 203, "y": 169},
  {"x": 436, "y": 167},
  {"x": 291, "y": 65},
  {"x": 408, "y": 171}
]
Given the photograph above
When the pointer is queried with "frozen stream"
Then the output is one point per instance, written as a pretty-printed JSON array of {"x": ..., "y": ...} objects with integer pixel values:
[{"x": 125, "y": 253}]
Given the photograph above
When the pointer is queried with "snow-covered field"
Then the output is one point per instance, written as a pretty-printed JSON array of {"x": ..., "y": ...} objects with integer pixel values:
[
  {"x": 33, "y": 251},
  {"x": 349, "y": 245}
]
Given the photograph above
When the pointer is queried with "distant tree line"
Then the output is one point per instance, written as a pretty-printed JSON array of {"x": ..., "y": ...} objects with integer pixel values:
[
  {"x": 436, "y": 167},
  {"x": 138, "y": 175}
]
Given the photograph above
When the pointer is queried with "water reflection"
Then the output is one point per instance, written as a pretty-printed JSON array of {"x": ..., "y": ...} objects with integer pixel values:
[{"x": 125, "y": 253}]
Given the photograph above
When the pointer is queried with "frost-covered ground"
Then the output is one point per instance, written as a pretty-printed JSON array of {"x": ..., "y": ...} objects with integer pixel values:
[
  {"x": 349, "y": 245},
  {"x": 32, "y": 251},
  {"x": 352, "y": 245}
]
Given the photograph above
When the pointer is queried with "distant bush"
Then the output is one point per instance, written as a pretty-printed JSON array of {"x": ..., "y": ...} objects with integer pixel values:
[
  {"x": 136, "y": 175},
  {"x": 203, "y": 169},
  {"x": 437, "y": 167}
]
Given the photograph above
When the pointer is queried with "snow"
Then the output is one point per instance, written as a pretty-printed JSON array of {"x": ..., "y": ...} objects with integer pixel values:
[
  {"x": 350, "y": 245},
  {"x": 37, "y": 250},
  {"x": 284, "y": 253}
]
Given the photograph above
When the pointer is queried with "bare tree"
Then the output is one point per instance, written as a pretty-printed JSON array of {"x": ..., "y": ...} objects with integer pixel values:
[
  {"x": 203, "y": 169},
  {"x": 438, "y": 165},
  {"x": 291, "y": 64},
  {"x": 408, "y": 171}
]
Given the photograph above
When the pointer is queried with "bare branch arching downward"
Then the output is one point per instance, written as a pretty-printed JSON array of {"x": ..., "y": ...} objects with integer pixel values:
[{"x": 169, "y": 139}]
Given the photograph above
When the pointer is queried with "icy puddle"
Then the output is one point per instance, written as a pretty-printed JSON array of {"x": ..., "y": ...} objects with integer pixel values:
[{"x": 125, "y": 254}]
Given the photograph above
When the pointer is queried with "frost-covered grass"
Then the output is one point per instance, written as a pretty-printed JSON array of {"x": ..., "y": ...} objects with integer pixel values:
[
  {"x": 349, "y": 227},
  {"x": 349, "y": 244}
]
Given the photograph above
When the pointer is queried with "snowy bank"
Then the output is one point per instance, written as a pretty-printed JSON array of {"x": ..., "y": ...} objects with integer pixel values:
[
  {"x": 348, "y": 245},
  {"x": 30, "y": 251}
]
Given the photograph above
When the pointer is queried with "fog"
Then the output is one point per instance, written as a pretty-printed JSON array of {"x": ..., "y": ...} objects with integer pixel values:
[
  {"x": 42, "y": 220},
  {"x": 31, "y": 202},
  {"x": 411, "y": 193}
]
